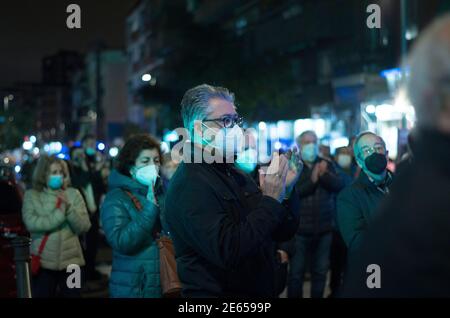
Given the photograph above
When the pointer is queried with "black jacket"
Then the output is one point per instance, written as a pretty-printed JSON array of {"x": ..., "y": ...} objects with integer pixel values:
[
  {"x": 318, "y": 200},
  {"x": 356, "y": 205},
  {"x": 410, "y": 238},
  {"x": 225, "y": 245}
]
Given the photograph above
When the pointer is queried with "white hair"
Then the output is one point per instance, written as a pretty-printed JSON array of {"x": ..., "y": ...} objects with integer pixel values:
[{"x": 429, "y": 64}]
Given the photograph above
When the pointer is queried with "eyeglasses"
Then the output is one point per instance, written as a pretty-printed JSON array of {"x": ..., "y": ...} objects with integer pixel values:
[
  {"x": 228, "y": 121},
  {"x": 367, "y": 151}
]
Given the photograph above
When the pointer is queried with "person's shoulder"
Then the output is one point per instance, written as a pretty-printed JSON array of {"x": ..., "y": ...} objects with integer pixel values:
[
  {"x": 349, "y": 191},
  {"x": 30, "y": 193}
]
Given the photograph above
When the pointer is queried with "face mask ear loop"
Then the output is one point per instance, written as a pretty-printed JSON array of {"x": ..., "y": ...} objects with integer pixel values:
[{"x": 207, "y": 142}]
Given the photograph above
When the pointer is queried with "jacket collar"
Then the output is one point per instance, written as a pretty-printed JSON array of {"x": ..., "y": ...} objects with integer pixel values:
[
  {"x": 118, "y": 180},
  {"x": 364, "y": 180}
]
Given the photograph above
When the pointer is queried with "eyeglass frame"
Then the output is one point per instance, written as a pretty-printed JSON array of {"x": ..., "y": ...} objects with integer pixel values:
[
  {"x": 236, "y": 120},
  {"x": 366, "y": 150}
]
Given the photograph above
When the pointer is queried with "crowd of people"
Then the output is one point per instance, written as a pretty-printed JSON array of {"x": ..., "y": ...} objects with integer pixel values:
[{"x": 257, "y": 231}]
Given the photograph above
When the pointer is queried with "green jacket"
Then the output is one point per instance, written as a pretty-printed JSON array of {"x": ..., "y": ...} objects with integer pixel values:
[
  {"x": 356, "y": 206},
  {"x": 135, "y": 268}
]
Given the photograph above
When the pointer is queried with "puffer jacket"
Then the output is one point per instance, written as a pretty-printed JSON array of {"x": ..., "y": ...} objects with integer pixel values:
[
  {"x": 135, "y": 268},
  {"x": 41, "y": 216}
]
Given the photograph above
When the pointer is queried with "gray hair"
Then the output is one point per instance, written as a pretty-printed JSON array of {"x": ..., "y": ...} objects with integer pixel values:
[
  {"x": 306, "y": 132},
  {"x": 429, "y": 64},
  {"x": 195, "y": 102},
  {"x": 358, "y": 138}
]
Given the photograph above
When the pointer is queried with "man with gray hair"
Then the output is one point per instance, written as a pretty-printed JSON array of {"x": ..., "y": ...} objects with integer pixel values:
[
  {"x": 410, "y": 239},
  {"x": 357, "y": 203},
  {"x": 223, "y": 226}
]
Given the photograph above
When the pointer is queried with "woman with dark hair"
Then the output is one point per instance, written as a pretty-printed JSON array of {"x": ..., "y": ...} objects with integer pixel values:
[
  {"x": 54, "y": 214},
  {"x": 130, "y": 219}
]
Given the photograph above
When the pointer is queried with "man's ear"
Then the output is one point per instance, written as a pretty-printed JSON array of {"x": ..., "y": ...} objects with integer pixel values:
[{"x": 359, "y": 162}]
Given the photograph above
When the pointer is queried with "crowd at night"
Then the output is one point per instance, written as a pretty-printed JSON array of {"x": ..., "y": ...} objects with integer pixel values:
[{"x": 225, "y": 148}]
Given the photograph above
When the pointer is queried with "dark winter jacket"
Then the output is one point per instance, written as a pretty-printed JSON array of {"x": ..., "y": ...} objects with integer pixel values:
[
  {"x": 225, "y": 231},
  {"x": 356, "y": 205},
  {"x": 409, "y": 239},
  {"x": 318, "y": 201}
]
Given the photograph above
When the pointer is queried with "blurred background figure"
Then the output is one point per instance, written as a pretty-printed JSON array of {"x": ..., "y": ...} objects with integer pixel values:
[
  {"x": 316, "y": 188},
  {"x": 168, "y": 169},
  {"x": 410, "y": 238},
  {"x": 325, "y": 151},
  {"x": 10, "y": 226},
  {"x": 87, "y": 177},
  {"x": 408, "y": 157},
  {"x": 346, "y": 168},
  {"x": 55, "y": 214},
  {"x": 130, "y": 218},
  {"x": 345, "y": 164}
]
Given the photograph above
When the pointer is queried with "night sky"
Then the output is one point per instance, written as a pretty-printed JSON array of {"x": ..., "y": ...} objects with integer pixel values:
[{"x": 32, "y": 29}]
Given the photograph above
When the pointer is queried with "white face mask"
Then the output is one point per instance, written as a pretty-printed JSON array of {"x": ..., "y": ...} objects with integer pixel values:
[
  {"x": 344, "y": 161},
  {"x": 146, "y": 175},
  {"x": 228, "y": 141},
  {"x": 309, "y": 152}
]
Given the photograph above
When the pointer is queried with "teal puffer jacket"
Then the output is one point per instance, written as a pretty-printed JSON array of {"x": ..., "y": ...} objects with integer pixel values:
[{"x": 135, "y": 268}]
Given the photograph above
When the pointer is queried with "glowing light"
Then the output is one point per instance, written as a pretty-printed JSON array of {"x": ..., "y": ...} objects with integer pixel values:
[
  {"x": 35, "y": 151},
  {"x": 171, "y": 136},
  {"x": 61, "y": 156},
  {"x": 277, "y": 145},
  {"x": 371, "y": 109},
  {"x": 164, "y": 147},
  {"x": 53, "y": 147},
  {"x": 17, "y": 168},
  {"x": 27, "y": 145},
  {"x": 262, "y": 125},
  {"x": 33, "y": 139},
  {"x": 101, "y": 146},
  {"x": 113, "y": 152},
  {"x": 146, "y": 77}
]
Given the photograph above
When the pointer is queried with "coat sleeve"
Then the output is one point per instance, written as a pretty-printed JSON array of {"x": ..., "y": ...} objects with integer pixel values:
[
  {"x": 350, "y": 219},
  {"x": 213, "y": 233},
  {"x": 125, "y": 235},
  {"x": 305, "y": 186},
  {"x": 331, "y": 180},
  {"x": 77, "y": 215},
  {"x": 34, "y": 221},
  {"x": 289, "y": 226}
]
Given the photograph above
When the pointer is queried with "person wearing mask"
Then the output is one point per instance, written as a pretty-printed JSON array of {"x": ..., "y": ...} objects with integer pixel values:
[
  {"x": 316, "y": 189},
  {"x": 345, "y": 166},
  {"x": 409, "y": 240},
  {"x": 130, "y": 218},
  {"x": 87, "y": 178},
  {"x": 224, "y": 228},
  {"x": 356, "y": 204},
  {"x": 54, "y": 214},
  {"x": 338, "y": 253}
]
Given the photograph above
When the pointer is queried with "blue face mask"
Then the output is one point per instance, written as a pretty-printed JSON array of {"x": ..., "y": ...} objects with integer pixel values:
[
  {"x": 55, "y": 181},
  {"x": 309, "y": 152},
  {"x": 90, "y": 151}
]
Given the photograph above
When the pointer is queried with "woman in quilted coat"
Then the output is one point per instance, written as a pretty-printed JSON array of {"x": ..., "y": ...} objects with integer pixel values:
[
  {"x": 130, "y": 220},
  {"x": 55, "y": 215}
]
